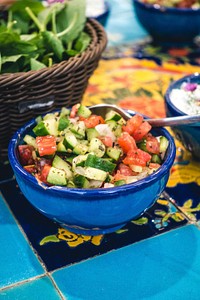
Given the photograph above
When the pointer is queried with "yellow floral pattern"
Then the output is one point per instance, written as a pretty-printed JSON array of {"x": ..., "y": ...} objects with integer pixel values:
[
  {"x": 185, "y": 170},
  {"x": 71, "y": 239},
  {"x": 144, "y": 83}
]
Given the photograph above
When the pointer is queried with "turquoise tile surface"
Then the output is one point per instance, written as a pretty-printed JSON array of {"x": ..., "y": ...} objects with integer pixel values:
[
  {"x": 17, "y": 261},
  {"x": 40, "y": 289},
  {"x": 153, "y": 260},
  {"x": 159, "y": 268}
]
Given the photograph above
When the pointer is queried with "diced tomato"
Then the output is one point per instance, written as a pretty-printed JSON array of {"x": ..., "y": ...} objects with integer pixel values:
[
  {"x": 125, "y": 170},
  {"x": 122, "y": 172},
  {"x": 126, "y": 142},
  {"x": 93, "y": 120},
  {"x": 26, "y": 154},
  {"x": 74, "y": 110},
  {"x": 46, "y": 144},
  {"x": 132, "y": 124},
  {"x": 141, "y": 131},
  {"x": 138, "y": 158},
  {"x": 119, "y": 176},
  {"x": 152, "y": 144},
  {"x": 44, "y": 173},
  {"x": 107, "y": 140},
  {"x": 31, "y": 169}
]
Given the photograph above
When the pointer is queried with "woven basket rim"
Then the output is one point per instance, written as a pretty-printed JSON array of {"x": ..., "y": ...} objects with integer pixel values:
[{"x": 95, "y": 48}]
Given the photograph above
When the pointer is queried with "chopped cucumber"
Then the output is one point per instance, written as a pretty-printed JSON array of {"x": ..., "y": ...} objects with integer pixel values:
[
  {"x": 49, "y": 116},
  {"x": 70, "y": 158},
  {"x": 142, "y": 145},
  {"x": 78, "y": 129},
  {"x": 52, "y": 126},
  {"x": 91, "y": 133},
  {"x": 121, "y": 122},
  {"x": 63, "y": 123},
  {"x": 120, "y": 182},
  {"x": 96, "y": 174},
  {"x": 113, "y": 153},
  {"x": 115, "y": 127},
  {"x": 112, "y": 115},
  {"x": 56, "y": 177},
  {"x": 84, "y": 111},
  {"x": 59, "y": 163},
  {"x": 109, "y": 178},
  {"x": 61, "y": 147},
  {"x": 81, "y": 182},
  {"x": 99, "y": 163},
  {"x": 64, "y": 112},
  {"x": 97, "y": 147},
  {"x": 155, "y": 158},
  {"x": 163, "y": 144},
  {"x": 46, "y": 127},
  {"x": 81, "y": 148},
  {"x": 30, "y": 140},
  {"x": 70, "y": 141},
  {"x": 70, "y": 184},
  {"x": 79, "y": 161},
  {"x": 38, "y": 119}
]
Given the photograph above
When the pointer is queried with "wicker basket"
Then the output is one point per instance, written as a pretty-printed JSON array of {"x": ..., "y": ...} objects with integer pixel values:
[{"x": 27, "y": 94}]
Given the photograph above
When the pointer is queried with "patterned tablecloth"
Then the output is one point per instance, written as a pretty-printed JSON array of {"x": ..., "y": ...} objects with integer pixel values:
[{"x": 41, "y": 260}]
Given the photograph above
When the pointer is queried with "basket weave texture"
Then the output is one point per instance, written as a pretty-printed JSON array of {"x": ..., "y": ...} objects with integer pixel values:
[{"x": 26, "y": 95}]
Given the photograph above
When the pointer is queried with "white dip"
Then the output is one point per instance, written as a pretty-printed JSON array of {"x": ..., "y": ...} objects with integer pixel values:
[{"x": 187, "y": 98}]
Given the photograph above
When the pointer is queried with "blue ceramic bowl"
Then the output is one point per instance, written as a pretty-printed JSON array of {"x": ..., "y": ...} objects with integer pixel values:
[
  {"x": 189, "y": 135},
  {"x": 168, "y": 25},
  {"x": 91, "y": 211}
]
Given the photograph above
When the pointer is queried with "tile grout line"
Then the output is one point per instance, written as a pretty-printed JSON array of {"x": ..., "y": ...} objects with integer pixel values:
[
  {"x": 20, "y": 283},
  {"x": 46, "y": 273},
  {"x": 55, "y": 285},
  {"x": 16, "y": 284}
]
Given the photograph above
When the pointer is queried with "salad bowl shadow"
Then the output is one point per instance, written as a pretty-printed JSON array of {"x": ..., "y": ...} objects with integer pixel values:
[
  {"x": 189, "y": 135},
  {"x": 91, "y": 211}
]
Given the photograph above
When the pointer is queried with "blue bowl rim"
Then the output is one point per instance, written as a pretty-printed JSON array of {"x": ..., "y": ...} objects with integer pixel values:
[
  {"x": 176, "y": 84},
  {"x": 157, "y": 7},
  {"x": 89, "y": 193}
]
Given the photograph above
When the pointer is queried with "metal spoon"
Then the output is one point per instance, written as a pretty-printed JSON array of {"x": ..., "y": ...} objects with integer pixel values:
[{"x": 102, "y": 109}]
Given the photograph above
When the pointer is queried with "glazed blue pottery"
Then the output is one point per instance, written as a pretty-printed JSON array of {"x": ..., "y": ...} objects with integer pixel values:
[
  {"x": 189, "y": 135},
  {"x": 168, "y": 25},
  {"x": 91, "y": 211}
]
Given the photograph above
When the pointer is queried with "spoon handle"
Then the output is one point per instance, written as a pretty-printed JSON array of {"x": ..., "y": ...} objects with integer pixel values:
[
  {"x": 102, "y": 108},
  {"x": 174, "y": 121}
]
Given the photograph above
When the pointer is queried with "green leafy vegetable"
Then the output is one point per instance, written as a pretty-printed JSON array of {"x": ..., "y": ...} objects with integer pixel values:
[
  {"x": 36, "y": 65},
  {"x": 33, "y": 36}
]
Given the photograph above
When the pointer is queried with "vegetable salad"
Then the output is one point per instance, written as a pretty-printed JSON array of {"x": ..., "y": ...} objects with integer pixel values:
[{"x": 75, "y": 148}]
